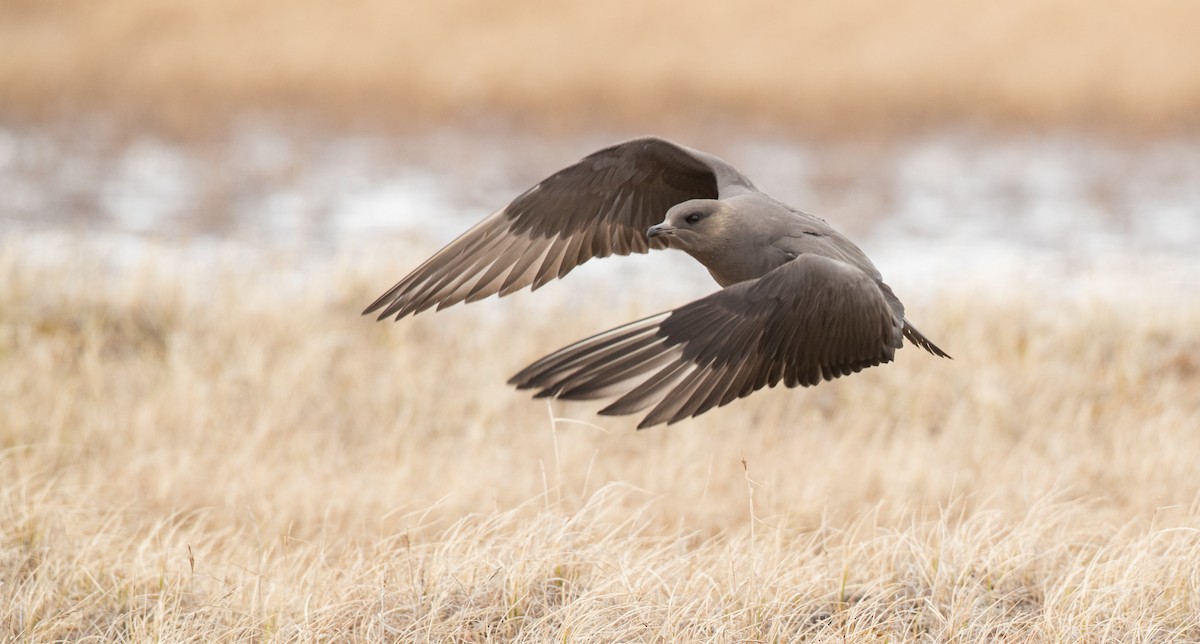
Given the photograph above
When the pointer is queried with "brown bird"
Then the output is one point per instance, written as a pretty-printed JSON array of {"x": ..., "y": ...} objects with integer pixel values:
[{"x": 800, "y": 302}]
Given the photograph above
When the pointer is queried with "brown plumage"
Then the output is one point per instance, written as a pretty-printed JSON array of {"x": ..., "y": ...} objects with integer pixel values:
[{"x": 800, "y": 304}]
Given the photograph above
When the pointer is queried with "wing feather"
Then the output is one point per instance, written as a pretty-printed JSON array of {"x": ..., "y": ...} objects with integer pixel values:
[
  {"x": 812, "y": 319},
  {"x": 600, "y": 206}
]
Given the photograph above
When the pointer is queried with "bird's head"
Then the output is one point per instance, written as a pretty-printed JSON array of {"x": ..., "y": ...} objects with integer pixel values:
[{"x": 689, "y": 225}]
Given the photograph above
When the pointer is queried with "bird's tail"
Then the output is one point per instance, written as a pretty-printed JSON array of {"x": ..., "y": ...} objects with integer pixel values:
[{"x": 914, "y": 336}]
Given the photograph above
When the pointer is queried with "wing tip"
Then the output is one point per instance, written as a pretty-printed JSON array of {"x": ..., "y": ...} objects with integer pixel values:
[{"x": 384, "y": 314}]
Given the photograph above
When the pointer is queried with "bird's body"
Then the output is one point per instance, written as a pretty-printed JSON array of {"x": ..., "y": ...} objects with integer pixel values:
[
  {"x": 760, "y": 234},
  {"x": 800, "y": 302}
]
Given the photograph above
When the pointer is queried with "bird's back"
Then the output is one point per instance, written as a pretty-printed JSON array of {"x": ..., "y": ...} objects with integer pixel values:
[{"x": 762, "y": 234}]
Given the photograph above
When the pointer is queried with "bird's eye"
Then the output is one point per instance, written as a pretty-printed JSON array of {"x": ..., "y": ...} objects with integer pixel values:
[{"x": 694, "y": 217}]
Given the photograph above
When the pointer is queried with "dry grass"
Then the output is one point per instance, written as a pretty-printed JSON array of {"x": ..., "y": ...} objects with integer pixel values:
[
  {"x": 843, "y": 66},
  {"x": 220, "y": 454}
]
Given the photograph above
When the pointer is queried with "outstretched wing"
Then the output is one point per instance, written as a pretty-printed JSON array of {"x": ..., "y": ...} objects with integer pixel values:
[
  {"x": 600, "y": 206},
  {"x": 813, "y": 318}
]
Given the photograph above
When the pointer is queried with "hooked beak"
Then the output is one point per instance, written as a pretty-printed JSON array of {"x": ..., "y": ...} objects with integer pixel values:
[{"x": 660, "y": 229}]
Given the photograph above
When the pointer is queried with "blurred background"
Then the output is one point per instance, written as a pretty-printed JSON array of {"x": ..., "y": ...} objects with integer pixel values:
[
  {"x": 941, "y": 136},
  {"x": 201, "y": 439}
]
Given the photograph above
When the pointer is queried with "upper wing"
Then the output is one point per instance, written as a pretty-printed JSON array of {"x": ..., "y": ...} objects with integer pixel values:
[
  {"x": 813, "y": 318},
  {"x": 597, "y": 207}
]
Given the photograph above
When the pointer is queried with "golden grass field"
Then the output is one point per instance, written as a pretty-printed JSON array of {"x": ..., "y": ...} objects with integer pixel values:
[
  {"x": 227, "y": 451},
  {"x": 219, "y": 448},
  {"x": 812, "y": 66}
]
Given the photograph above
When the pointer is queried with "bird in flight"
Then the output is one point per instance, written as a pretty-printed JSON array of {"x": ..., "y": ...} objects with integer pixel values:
[{"x": 800, "y": 303}]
